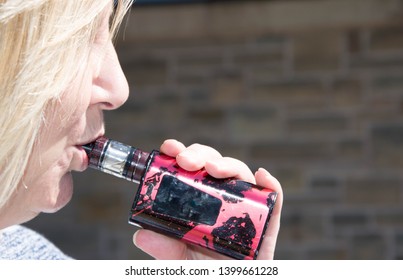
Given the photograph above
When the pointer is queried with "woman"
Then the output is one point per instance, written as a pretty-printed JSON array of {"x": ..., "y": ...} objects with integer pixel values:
[{"x": 58, "y": 72}]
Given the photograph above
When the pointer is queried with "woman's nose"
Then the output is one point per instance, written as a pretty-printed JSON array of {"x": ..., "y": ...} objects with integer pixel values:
[{"x": 111, "y": 89}]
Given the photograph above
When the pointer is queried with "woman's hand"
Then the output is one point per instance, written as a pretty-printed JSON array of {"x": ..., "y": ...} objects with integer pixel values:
[{"x": 196, "y": 157}]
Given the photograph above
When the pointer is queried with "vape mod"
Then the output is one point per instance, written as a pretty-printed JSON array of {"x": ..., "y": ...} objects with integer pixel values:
[{"x": 225, "y": 215}]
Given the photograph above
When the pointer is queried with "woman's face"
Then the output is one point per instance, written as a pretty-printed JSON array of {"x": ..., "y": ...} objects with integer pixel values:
[{"x": 47, "y": 184}]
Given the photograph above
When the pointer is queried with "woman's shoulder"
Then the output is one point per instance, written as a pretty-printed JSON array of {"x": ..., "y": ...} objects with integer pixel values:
[{"x": 19, "y": 242}]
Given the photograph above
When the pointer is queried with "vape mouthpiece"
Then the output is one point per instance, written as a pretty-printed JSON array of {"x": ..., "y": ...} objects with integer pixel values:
[{"x": 88, "y": 148}]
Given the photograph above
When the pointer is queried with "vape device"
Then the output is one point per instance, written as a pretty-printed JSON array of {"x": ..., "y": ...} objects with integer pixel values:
[{"x": 228, "y": 216}]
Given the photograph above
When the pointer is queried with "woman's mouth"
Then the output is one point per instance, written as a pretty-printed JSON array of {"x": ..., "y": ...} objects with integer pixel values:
[{"x": 80, "y": 159}]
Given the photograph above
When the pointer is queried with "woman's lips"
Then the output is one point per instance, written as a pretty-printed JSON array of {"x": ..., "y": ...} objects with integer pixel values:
[{"x": 80, "y": 159}]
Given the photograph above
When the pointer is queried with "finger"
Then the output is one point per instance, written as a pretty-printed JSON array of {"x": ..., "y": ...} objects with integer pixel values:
[
  {"x": 172, "y": 147},
  {"x": 195, "y": 156},
  {"x": 265, "y": 179},
  {"x": 159, "y": 246},
  {"x": 227, "y": 167},
  {"x": 267, "y": 249}
]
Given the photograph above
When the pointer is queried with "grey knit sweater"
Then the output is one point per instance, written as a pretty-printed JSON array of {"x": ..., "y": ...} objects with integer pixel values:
[{"x": 21, "y": 243}]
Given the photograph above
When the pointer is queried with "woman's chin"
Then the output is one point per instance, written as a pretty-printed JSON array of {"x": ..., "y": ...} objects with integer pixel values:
[{"x": 63, "y": 195}]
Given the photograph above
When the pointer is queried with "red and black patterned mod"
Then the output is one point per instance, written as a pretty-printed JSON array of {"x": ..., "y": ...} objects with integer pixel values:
[{"x": 225, "y": 215}]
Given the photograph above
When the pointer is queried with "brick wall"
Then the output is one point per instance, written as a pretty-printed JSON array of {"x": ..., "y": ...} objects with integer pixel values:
[{"x": 311, "y": 90}]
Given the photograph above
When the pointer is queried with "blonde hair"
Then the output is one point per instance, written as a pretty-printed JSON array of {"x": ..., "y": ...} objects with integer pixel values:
[{"x": 42, "y": 45}]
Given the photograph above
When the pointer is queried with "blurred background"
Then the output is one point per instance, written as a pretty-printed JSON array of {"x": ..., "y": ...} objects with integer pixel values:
[{"x": 312, "y": 90}]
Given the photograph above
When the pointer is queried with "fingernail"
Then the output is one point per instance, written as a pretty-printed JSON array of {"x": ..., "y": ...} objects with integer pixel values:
[
  {"x": 267, "y": 173},
  {"x": 135, "y": 239}
]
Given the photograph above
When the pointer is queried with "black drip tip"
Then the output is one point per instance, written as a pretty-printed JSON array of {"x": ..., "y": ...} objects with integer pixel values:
[{"x": 88, "y": 148}]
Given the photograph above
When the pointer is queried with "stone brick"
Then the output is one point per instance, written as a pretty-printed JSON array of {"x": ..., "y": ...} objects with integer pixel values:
[
  {"x": 309, "y": 200},
  {"x": 298, "y": 151},
  {"x": 291, "y": 179},
  {"x": 387, "y": 38},
  {"x": 287, "y": 251},
  {"x": 327, "y": 252},
  {"x": 205, "y": 123},
  {"x": 227, "y": 91},
  {"x": 298, "y": 94},
  {"x": 374, "y": 190},
  {"x": 297, "y": 225},
  {"x": 258, "y": 57},
  {"x": 188, "y": 77},
  {"x": 390, "y": 218},
  {"x": 317, "y": 51},
  {"x": 322, "y": 124},
  {"x": 209, "y": 117},
  {"x": 350, "y": 150},
  {"x": 388, "y": 84},
  {"x": 378, "y": 110},
  {"x": 199, "y": 60},
  {"x": 346, "y": 94},
  {"x": 197, "y": 96},
  {"x": 230, "y": 148},
  {"x": 143, "y": 71},
  {"x": 323, "y": 183},
  {"x": 368, "y": 61},
  {"x": 260, "y": 74},
  {"x": 253, "y": 123},
  {"x": 387, "y": 145},
  {"x": 356, "y": 41},
  {"x": 141, "y": 128},
  {"x": 343, "y": 220},
  {"x": 222, "y": 20},
  {"x": 399, "y": 246},
  {"x": 290, "y": 226},
  {"x": 104, "y": 206},
  {"x": 272, "y": 39},
  {"x": 171, "y": 108},
  {"x": 144, "y": 108},
  {"x": 366, "y": 246}
]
